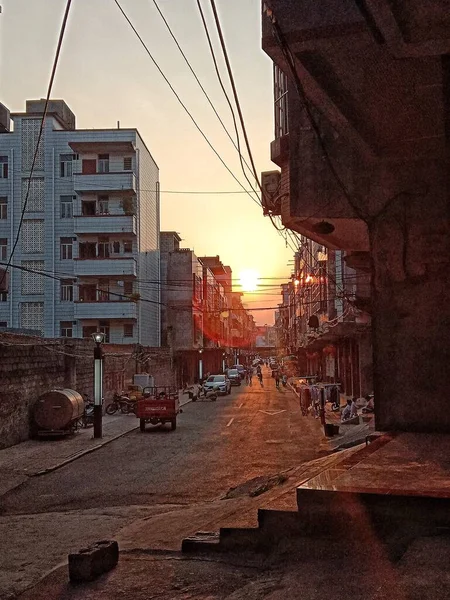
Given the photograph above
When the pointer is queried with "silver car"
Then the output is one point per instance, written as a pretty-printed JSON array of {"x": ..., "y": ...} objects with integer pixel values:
[{"x": 220, "y": 382}]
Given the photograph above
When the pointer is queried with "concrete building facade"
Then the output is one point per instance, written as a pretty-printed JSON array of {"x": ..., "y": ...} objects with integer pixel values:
[
  {"x": 91, "y": 223},
  {"x": 362, "y": 138}
]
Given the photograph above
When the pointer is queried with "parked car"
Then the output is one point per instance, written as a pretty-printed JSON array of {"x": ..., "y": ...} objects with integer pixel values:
[
  {"x": 241, "y": 369},
  {"x": 221, "y": 382},
  {"x": 234, "y": 376}
]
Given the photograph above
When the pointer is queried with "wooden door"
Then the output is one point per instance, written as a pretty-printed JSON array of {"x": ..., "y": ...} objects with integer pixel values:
[{"x": 89, "y": 166}]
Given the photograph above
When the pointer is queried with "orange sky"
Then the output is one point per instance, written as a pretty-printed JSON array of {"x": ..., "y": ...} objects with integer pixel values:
[{"x": 105, "y": 76}]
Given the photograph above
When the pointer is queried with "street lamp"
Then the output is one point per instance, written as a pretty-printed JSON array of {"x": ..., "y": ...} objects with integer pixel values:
[
  {"x": 200, "y": 366},
  {"x": 223, "y": 361},
  {"x": 98, "y": 338}
]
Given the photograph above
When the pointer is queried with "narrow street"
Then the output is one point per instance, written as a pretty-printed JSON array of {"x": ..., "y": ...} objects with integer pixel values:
[{"x": 256, "y": 431}]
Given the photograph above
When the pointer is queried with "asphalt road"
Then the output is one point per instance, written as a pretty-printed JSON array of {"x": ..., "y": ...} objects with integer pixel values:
[{"x": 217, "y": 446}]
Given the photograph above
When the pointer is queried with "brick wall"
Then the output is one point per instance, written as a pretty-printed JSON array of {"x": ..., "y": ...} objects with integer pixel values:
[{"x": 32, "y": 366}]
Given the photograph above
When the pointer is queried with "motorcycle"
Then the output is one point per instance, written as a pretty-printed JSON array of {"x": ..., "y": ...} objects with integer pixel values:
[
  {"x": 87, "y": 418},
  {"x": 121, "y": 402}
]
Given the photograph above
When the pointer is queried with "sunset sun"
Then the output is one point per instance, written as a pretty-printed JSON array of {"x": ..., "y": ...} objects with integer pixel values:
[{"x": 248, "y": 280}]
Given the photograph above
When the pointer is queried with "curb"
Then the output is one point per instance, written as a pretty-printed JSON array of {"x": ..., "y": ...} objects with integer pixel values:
[{"x": 87, "y": 451}]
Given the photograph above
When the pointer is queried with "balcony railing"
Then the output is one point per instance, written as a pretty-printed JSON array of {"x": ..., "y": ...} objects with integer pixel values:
[
  {"x": 105, "y": 223},
  {"x": 103, "y": 267},
  {"x": 117, "y": 309},
  {"x": 123, "y": 182}
]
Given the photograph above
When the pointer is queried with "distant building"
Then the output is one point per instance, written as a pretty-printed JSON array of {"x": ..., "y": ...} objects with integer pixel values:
[{"x": 91, "y": 223}]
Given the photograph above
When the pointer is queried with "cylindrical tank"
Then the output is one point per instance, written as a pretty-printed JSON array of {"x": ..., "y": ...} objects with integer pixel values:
[{"x": 57, "y": 409}]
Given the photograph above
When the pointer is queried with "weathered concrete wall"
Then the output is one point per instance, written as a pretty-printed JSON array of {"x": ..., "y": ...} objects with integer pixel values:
[{"x": 32, "y": 366}]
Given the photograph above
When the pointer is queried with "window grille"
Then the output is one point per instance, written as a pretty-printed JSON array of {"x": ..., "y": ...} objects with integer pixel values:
[
  {"x": 4, "y": 167},
  {"x": 66, "y": 290},
  {"x": 36, "y": 195},
  {"x": 32, "y": 315},
  {"x": 66, "y": 165},
  {"x": 30, "y": 135},
  {"x": 66, "y": 207},
  {"x": 127, "y": 288},
  {"x": 66, "y": 329},
  {"x": 32, "y": 280},
  {"x": 32, "y": 236},
  {"x": 280, "y": 102},
  {"x": 103, "y": 163},
  {"x": 66, "y": 248},
  {"x": 128, "y": 330},
  {"x": 3, "y": 207},
  {"x": 3, "y": 248},
  {"x": 127, "y": 163}
]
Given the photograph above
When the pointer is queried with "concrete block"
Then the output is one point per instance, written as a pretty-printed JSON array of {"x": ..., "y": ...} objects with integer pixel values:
[{"x": 88, "y": 563}]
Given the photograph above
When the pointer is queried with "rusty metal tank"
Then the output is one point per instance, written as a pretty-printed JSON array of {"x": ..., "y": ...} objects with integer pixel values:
[{"x": 57, "y": 410}]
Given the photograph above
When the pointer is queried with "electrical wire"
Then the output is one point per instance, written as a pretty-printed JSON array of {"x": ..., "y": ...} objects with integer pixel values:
[
  {"x": 41, "y": 129},
  {"x": 236, "y": 145},
  {"x": 161, "y": 72},
  {"x": 225, "y": 93}
]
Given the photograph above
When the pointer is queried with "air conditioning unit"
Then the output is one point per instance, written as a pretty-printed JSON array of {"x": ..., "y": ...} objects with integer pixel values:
[{"x": 270, "y": 184}]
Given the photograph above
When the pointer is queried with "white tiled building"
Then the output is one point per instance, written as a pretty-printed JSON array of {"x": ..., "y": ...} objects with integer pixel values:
[{"x": 92, "y": 221}]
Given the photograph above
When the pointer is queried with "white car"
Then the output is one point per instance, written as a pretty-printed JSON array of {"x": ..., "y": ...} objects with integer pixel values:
[{"x": 221, "y": 382}]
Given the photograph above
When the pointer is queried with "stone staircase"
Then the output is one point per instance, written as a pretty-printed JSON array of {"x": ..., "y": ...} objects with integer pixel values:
[{"x": 332, "y": 502}]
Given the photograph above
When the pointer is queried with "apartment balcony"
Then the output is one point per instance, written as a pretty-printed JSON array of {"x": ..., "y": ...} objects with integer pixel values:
[
  {"x": 105, "y": 224},
  {"x": 96, "y": 183},
  {"x": 104, "y": 267},
  {"x": 106, "y": 310}
]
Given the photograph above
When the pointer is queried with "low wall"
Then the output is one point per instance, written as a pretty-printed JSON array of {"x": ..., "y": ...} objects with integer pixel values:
[{"x": 31, "y": 366}]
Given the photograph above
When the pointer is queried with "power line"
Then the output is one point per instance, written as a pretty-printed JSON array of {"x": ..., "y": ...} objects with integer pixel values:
[
  {"x": 235, "y": 94},
  {"x": 225, "y": 93},
  {"x": 41, "y": 129},
  {"x": 161, "y": 72},
  {"x": 237, "y": 146}
]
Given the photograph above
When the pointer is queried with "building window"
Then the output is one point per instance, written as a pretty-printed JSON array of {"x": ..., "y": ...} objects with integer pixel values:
[
  {"x": 33, "y": 236},
  {"x": 128, "y": 330},
  {"x": 66, "y": 165},
  {"x": 103, "y": 290},
  {"x": 3, "y": 207},
  {"x": 3, "y": 323},
  {"x": 87, "y": 250},
  {"x": 32, "y": 315},
  {"x": 280, "y": 102},
  {"x": 103, "y": 163},
  {"x": 103, "y": 248},
  {"x": 127, "y": 163},
  {"x": 66, "y": 248},
  {"x": 66, "y": 207},
  {"x": 32, "y": 279},
  {"x": 103, "y": 327},
  {"x": 4, "y": 167},
  {"x": 127, "y": 288},
  {"x": 3, "y": 296},
  {"x": 3, "y": 248},
  {"x": 87, "y": 293},
  {"x": 66, "y": 290},
  {"x": 33, "y": 191},
  {"x": 66, "y": 329},
  {"x": 103, "y": 205},
  {"x": 128, "y": 247},
  {"x": 88, "y": 208},
  {"x": 116, "y": 247},
  {"x": 89, "y": 330}
]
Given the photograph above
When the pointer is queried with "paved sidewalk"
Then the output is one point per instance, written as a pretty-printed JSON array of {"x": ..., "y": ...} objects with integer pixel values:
[
  {"x": 33, "y": 458},
  {"x": 349, "y": 435}
]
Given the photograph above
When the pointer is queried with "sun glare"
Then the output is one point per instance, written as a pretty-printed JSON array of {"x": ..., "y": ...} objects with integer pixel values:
[{"x": 248, "y": 280}]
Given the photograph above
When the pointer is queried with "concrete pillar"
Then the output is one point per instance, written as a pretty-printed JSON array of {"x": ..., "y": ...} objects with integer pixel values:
[
  {"x": 365, "y": 364},
  {"x": 410, "y": 243}
]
